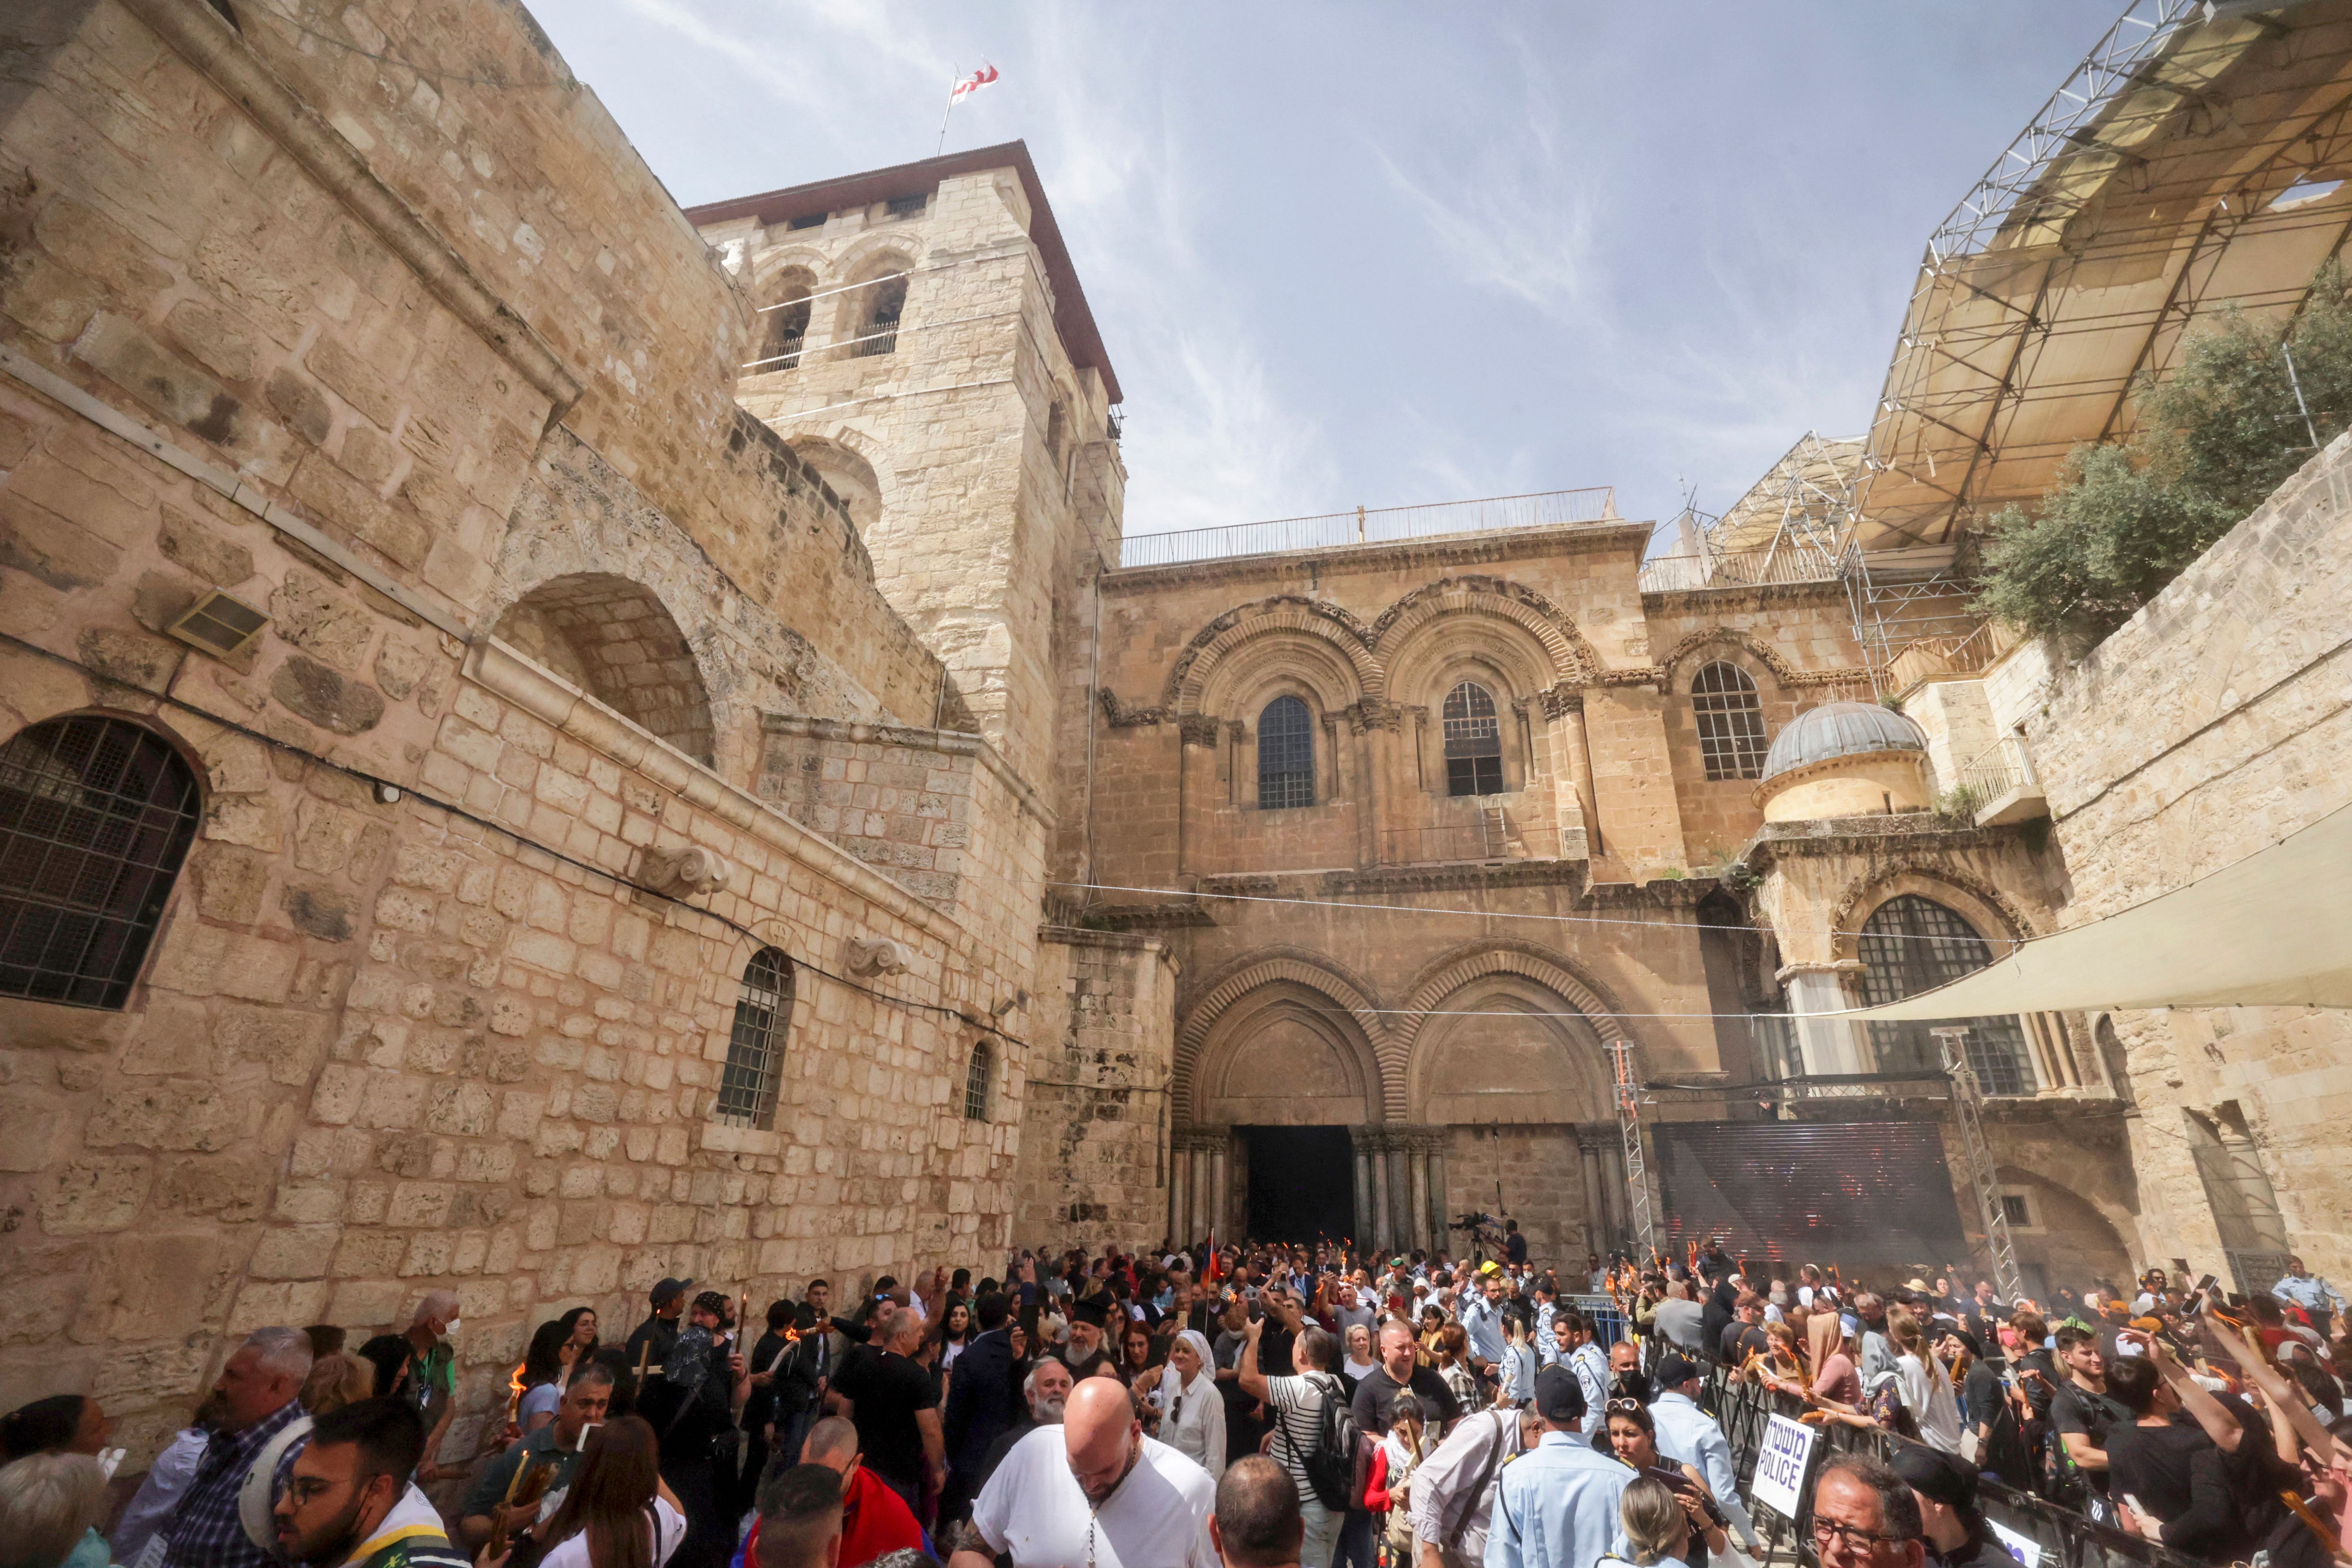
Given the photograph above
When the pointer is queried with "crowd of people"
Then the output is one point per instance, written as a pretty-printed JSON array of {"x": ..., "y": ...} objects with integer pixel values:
[{"x": 1261, "y": 1406}]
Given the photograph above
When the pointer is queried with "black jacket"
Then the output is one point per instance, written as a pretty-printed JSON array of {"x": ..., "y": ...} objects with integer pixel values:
[{"x": 984, "y": 1402}]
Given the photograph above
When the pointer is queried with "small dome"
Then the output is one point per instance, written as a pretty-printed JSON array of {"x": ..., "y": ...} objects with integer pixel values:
[{"x": 1839, "y": 730}]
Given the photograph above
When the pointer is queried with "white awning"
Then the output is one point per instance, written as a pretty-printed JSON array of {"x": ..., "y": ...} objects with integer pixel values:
[{"x": 2273, "y": 931}]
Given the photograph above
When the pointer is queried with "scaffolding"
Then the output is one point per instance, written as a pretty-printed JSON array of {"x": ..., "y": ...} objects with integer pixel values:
[
  {"x": 1629, "y": 1132},
  {"x": 1975, "y": 1155}
]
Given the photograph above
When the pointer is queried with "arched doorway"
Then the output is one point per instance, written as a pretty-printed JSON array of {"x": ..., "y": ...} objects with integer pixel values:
[{"x": 612, "y": 639}]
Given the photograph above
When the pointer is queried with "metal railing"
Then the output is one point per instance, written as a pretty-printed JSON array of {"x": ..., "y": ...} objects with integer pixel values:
[
  {"x": 881, "y": 338},
  {"x": 1377, "y": 525},
  {"x": 1726, "y": 569},
  {"x": 1487, "y": 838},
  {"x": 2065, "y": 1539},
  {"x": 1969, "y": 655},
  {"x": 2002, "y": 769}
]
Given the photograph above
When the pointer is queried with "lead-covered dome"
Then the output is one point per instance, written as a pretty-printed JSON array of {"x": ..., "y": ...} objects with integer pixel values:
[{"x": 1839, "y": 730}]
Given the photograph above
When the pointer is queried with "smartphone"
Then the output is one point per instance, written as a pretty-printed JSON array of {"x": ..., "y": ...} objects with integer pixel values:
[{"x": 2196, "y": 1302}]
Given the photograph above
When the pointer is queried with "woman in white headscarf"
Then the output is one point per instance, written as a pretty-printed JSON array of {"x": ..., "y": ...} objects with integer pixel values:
[{"x": 1191, "y": 1411}]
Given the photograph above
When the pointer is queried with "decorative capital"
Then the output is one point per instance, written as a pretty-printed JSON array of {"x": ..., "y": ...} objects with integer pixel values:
[
  {"x": 1562, "y": 699},
  {"x": 1198, "y": 728}
]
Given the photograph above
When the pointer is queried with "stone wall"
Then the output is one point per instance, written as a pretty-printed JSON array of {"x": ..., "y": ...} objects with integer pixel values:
[
  {"x": 386, "y": 357},
  {"x": 2213, "y": 724}
]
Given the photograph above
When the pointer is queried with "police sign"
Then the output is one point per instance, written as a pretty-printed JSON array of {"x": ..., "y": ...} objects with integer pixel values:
[{"x": 1780, "y": 1467}]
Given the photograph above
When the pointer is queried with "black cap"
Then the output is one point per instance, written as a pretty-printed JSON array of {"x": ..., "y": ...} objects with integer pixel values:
[
  {"x": 1559, "y": 1395},
  {"x": 1937, "y": 1477},
  {"x": 1090, "y": 1310},
  {"x": 1674, "y": 1371},
  {"x": 664, "y": 1291},
  {"x": 711, "y": 1301}
]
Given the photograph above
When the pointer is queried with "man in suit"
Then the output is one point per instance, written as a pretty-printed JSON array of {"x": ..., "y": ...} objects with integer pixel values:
[{"x": 983, "y": 1400}]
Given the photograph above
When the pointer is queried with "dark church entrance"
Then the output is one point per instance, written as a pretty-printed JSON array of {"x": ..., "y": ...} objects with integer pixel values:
[{"x": 1301, "y": 1183}]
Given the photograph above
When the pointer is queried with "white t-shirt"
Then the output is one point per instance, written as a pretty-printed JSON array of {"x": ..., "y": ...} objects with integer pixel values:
[
  {"x": 572, "y": 1551},
  {"x": 1157, "y": 1518}
]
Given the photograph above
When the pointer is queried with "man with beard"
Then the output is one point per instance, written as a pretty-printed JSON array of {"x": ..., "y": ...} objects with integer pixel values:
[
  {"x": 257, "y": 1398},
  {"x": 1046, "y": 1390},
  {"x": 1073, "y": 1496},
  {"x": 1085, "y": 1355},
  {"x": 347, "y": 1503},
  {"x": 557, "y": 1444}
]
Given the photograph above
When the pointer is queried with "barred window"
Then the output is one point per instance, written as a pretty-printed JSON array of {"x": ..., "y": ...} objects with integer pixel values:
[
  {"x": 877, "y": 333},
  {"x": 1286, "y": 754},
  {"x": 975, "y": 1082},
  {"x": 788, "y": 320},
  {"x": 755, "y": 1051},
  {"x": 1911, "y": 944},
  {"x": 1730, "y": 722},
  {"x": 1473, "y": 741},
  {"x": 96, "y": 817}
]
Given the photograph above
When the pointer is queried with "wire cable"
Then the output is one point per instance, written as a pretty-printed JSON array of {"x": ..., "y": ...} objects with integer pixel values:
[{"x": 504, "y": 831}]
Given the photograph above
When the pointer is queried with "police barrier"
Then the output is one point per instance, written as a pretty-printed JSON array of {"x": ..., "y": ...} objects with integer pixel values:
[
  {"x": 2038, "y": 1533},
  {"x": 1608, "y": 1318}
]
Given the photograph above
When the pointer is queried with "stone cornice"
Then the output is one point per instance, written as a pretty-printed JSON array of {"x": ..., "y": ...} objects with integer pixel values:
[
  {"x": 1743, "y": 597},
  {"x": 1868, "y": 836},
  {"x": 1438, "y": 550},
  {"x": 949, "y": 742},
  {"x": 1088, "y": 936}
]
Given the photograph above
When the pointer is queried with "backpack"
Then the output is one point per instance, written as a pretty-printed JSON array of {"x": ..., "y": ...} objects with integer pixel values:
[{"x": 1330, "y": 1464}]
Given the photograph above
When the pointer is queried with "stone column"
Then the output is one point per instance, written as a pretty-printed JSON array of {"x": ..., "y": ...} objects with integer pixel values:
[
  {"x": 1417, "y": 1222},
  {"x": 1437, "y": 1190},
  {"x": 1596, "y": 1211},
  {"x": 1826, "y": 1045},
  {"x": 1398, "y": 1211},
  {"x": 1220, "y": 1163},
  {"x": 1360, "y": 1138},
  {"x": 1180, "y": 1186},
  {"x": 1383, "y": 1226},
  {"x": 1572, "y": 774}
]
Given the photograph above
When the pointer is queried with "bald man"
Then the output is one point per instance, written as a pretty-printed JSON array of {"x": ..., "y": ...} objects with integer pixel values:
[{"x": 1093, "y": 1491}]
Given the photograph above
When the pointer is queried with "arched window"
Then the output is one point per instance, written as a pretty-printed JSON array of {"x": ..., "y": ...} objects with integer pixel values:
[
  {"x": 755, "y": 1051},
  {"x": 976, "y": 1075},
  {"x": 1286, "y": 754},
  {"x": 1911, "y": 944},
  {"x": 1473, "y": 741},
  {"x": 96, "y": 815},
  {"x": 787, "y": 323},
  {"x": 1730, "y": 722},
  {"x": 877, "y": 327}
]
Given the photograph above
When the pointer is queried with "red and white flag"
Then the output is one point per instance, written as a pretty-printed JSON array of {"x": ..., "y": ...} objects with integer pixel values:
[{"x": 973, "y": 84}]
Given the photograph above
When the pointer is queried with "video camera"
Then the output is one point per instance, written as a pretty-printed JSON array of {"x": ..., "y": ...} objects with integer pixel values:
[{"x": 1472, "y": 1222}]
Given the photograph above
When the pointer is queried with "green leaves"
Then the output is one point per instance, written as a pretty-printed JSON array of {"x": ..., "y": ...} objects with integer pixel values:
[{"x": 2213, "y": 440}]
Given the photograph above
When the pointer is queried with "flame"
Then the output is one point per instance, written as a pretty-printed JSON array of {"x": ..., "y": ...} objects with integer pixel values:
[{"x": 514, "y": 1392}]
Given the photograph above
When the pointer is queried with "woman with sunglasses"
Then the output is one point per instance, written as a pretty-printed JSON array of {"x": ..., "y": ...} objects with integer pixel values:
[{"x": 1633, "y": 1437}]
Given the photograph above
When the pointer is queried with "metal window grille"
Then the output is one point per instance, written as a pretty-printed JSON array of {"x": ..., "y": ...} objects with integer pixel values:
[
  {"x": 1286, "y": 754},
  {"x": 1473, "y": 741},
  {"x": 96, "y": 815},
  {"x": 975, "y": 1083},
  {"x": 2013, "y": 1209},
  {"x": 1730, "y": 722},
  {"x": 880, "y": 333},
  {"x": 755, "y": 1050},
  {"x": 808, "y": 220},
  {"x": 907, "y": 207},
  {"x": 1910, "y": 944}
]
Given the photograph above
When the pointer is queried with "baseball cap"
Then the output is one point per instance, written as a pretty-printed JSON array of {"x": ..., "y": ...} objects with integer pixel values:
[
  {"x": 1936, "y": 1475},
  {"x": 1559, "y": 1395},
  {"x": 668, "y": 1290},
  {"x": 1674, "y": 1371}
]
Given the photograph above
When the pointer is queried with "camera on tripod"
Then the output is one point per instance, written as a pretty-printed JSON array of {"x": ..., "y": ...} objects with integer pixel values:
[{"x": 1472, "y": 1222}]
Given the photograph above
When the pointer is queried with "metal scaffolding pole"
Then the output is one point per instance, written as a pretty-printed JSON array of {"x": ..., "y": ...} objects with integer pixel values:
[
  {"x": 1966, "y": 1110},
  {"x": 1629, "y": 1129}
]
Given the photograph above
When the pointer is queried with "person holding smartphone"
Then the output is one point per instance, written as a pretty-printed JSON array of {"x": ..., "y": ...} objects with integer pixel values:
[{"x": 1634, "y": 1438}]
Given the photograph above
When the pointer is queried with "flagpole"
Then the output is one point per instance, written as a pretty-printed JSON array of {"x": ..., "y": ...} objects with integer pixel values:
[{"x": 952, "y": 84}]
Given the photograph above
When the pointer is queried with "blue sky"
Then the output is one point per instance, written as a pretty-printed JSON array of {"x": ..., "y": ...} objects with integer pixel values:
[{"x": 1380, "y": 255}]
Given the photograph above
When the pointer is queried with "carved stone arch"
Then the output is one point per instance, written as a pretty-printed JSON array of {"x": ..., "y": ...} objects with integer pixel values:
[
  {"x": 855, "y": 465},
  {"x": 618, "y": 640},
  {"x": 1573, "y": 660},
  {"x": 1216, "y": 642},
  {"x": 766, "y": 263},
  {"x": 868, "y": 260},
  {"x": 1504, "y": 979},
  {"x": 1423, "y": 662},
  {"x": 1994, "y": 915},
  {"x": 1676, "y": 670},
  {"x": 1288, "y": 967}
]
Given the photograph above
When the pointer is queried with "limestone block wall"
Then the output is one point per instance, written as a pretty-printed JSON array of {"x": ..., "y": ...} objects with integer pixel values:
[
  {"x": 1542, "y": 1179},
  {"x": 2211, "y": 724},
  {"x": 1094, "y": 1126}
]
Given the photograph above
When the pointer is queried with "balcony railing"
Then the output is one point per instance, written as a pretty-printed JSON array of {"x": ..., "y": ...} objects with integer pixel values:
[
  {"x": 1726, "y": 569},
  {"x": 1496, "y": 835},
  {"x": 1379, "y": 525},
  {"x": 1969, "y": 655}
]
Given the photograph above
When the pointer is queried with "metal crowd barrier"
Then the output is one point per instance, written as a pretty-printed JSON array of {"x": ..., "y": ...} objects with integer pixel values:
[
  {"x": 1608, "y": 1318},
  {"x": 2059, "y": 1537}
]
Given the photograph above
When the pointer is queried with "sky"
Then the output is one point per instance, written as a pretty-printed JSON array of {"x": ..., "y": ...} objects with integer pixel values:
[{"x": 1382, "y": 255}]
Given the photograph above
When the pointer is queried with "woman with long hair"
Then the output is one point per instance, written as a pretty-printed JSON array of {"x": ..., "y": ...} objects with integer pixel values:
[
  {"x": 542, "y": 1376},
  {"x": 619, "y": 1513},
  {"x": 1514, "y": 1375},
  {"x": 1390, "y": 1491},
  {"x": 1696, "y": 1528},
  {"x": 1137, "y": 1351},
  {"x": 948, "y": 1335},
  {"x": 1920, "y": 1381},
  {"x": 579, "y": 1341},
  {"x": 1453, "y": 1366},
  {"x": 1658, "y": 1523},
  {"x": 1191, "y": 1411}
]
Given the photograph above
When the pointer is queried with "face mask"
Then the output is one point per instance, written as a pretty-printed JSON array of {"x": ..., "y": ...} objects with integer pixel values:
[{"x": 451, "y": 1331}]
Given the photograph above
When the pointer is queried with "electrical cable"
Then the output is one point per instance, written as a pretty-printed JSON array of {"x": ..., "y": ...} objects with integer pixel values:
[{"x": 503, "y": 830}]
